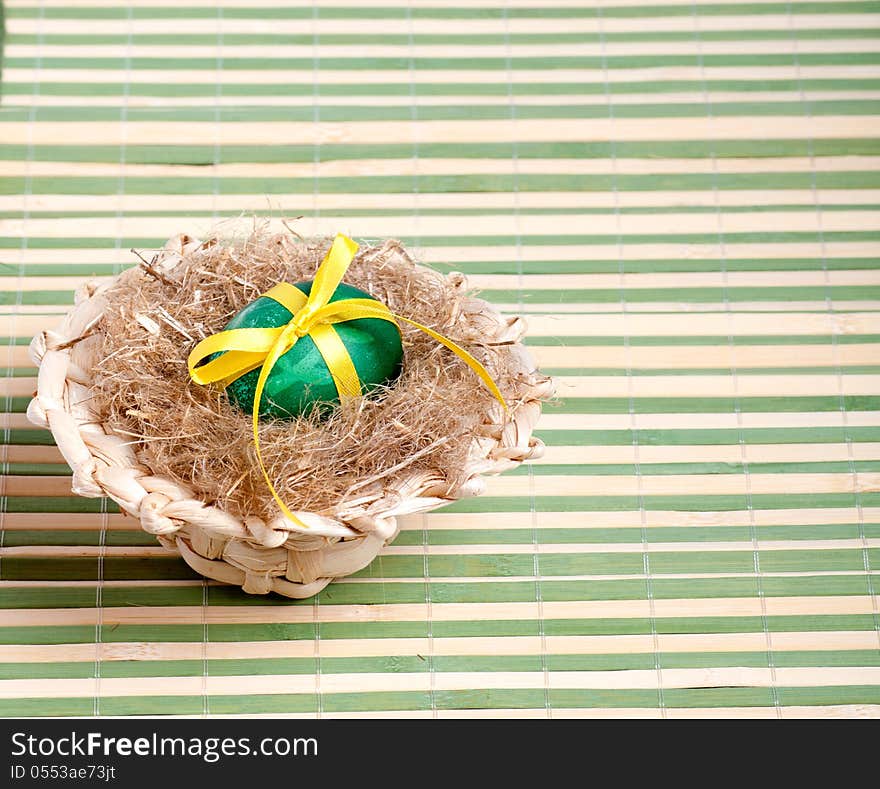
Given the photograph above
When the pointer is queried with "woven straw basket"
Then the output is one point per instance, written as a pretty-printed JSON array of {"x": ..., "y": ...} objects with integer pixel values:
[{"x": 278, "y": 556}]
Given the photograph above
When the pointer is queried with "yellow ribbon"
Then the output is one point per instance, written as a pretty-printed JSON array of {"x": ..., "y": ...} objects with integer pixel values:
[{"x": 244, "y": 350}]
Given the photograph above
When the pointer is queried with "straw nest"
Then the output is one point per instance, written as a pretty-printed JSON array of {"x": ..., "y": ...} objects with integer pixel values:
[{"x": 115, "y": 390}]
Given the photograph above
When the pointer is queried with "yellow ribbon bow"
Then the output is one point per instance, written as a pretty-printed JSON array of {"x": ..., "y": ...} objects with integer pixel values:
[{"x": 243, "y": 350}]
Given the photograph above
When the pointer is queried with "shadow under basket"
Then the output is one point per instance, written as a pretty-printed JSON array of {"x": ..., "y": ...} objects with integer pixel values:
[{"x": 261, "y": 555}]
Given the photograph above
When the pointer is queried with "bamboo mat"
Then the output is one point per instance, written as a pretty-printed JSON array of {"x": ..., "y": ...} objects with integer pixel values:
[{"x": 682, "y": 197}]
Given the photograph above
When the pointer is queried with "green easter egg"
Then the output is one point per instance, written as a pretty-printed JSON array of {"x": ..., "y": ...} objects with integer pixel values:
[{"x": 300, "y": 380}]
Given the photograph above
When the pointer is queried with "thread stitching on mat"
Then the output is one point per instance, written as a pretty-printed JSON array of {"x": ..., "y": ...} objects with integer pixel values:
[
  {"x": 835, "y": 344},
  {"x": 737, "y": 405},
  {"x": 633, "y": 418}
]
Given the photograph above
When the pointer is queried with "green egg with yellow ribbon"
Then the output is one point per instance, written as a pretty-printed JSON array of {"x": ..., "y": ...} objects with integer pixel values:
[
  {"x": 306, "y": 346},
  {"x": 301, "y": 379}
]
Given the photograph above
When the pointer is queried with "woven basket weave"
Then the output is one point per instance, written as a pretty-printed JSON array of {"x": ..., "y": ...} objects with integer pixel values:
[{"x": 261, "y": 557}]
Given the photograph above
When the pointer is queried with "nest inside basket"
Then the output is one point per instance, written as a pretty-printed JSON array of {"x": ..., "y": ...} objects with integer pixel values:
[{"x": 425, "y": 421}]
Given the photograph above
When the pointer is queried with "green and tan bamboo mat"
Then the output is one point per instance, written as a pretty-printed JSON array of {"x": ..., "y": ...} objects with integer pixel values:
[{"x": 684, "y": 200}]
